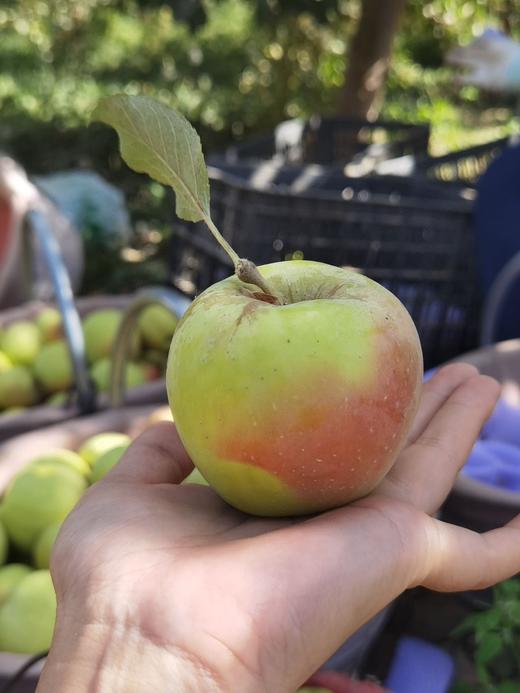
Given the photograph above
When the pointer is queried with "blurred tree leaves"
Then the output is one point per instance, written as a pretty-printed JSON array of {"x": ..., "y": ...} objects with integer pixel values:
[{"x": 233, "y": 67}]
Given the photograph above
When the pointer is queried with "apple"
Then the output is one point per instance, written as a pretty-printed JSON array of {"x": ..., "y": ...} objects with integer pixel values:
[
  {"x": 21, "y": 342},
  {"x": 53, "y": 367},
  {"x": 10, "y": 576},
  {"x": 4, "y": 544},
  {"x": 100, "y": 329},
  {"x": 104, "y": 464},
  {"x": 40, "y": 495},
  {"x": 157, "y": 325},
  {"x": 68, "y": 458},
  {"x": 96, "y": 446},
  {"x": 17, "y": 388},
  {"x": 42, "y": 549},
  {"x": 296, "y": 407},
  {"x": 5, "y": 362},
  {"x": 48, "y": 322},
  {"x": 135, "y": 374},
  {"x": 27, "y": 616}
]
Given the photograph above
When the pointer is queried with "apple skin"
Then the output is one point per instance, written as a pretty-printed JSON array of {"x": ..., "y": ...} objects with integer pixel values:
[{"x": 298, "y": 408}]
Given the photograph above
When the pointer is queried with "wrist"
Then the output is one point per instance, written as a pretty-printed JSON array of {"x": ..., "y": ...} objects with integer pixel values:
[{"x": 106, "y": 658}]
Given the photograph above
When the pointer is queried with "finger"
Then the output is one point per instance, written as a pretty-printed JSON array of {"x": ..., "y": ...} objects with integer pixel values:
[
  {"x": 425, "y": 471},
  {"x": 465, "y": 560},
  {"x": 435, "y": 393},
  {"x": 157, "y": 456}
]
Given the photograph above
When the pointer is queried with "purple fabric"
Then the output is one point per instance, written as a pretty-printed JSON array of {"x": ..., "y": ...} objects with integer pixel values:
[
  {"x": 495, "y": 458},
  {"x": 504, "y": 424}
]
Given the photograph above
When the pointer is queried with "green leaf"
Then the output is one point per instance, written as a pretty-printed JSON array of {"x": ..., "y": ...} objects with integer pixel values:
[
  {"x": 489, "y": 648},
  {"x": 157, "y": 140},
  {"x": 508, "y": 687},
  {"x": 461, "y": 687}
]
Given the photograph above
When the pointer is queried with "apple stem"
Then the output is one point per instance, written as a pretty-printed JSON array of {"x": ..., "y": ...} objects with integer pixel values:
[{"x": 245, "y": 270}]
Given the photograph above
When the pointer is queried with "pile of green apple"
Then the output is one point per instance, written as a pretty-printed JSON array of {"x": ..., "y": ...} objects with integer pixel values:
[
  {"x": 35, "y": 365},
  {"x": 32, "y": 511}
]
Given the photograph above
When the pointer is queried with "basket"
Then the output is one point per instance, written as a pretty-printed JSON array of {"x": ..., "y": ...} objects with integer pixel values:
[
  {"x": 420, "y": 248},
  {"x": 472, "y": 503},
  {"x": 42, "y": 415},
  {"x": 333, "y": 140},
  {"x": 464, "y": 165},
  {"x": 18, "y": 452}
]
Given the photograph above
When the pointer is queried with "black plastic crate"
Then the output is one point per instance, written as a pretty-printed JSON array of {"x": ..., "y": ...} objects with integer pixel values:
[
  {"x": 294, "y": 178},
  {"x": 332, "y": 140},
  {"x": 419, "y": 248},
  {"x": 463, "y": 165}
]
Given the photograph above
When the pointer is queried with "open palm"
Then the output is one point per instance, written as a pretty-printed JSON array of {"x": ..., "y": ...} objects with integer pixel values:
[{"x": 258, "y": 604}]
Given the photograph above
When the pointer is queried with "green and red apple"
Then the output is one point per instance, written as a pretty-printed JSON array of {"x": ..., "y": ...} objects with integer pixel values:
[
  {"x": 300, "y": 407},
  {"x": 293, "y": 385}
]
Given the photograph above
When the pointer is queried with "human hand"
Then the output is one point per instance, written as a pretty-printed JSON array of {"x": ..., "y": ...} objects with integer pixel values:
[
  {"x": 165, "y": 587},
  {"x": 492, "y": 62}
]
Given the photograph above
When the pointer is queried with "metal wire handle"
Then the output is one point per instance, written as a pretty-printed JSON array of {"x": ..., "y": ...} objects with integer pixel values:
[
  {"x": 497, "y": 294},
  {"x": 65, "y": 300},
  {"x": 172, "y": 300}
]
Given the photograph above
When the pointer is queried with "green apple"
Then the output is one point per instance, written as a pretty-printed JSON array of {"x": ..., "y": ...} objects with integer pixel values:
[
  {"x": 48, "y": 322},
  {"x": 195, "y": 477},
  {"x": 28, "y": 615},
  {"x": 10, "y": 576},
  {"x": 53, "y": 367},
  {"x": 58, "y": 399},
  {"x": 66, "y": 457},
  {"x": 17, "y": 388},
  {"x": 104, "y": 464},
  {"x": 96, "y": 446},
  {"x": 299, "y": 407},
  {"x": 42, "y": 549},
  {"x": 21, "y": 342},
  {"x": 100, "y": 329},
  {"x": 4, "y": 544},
  {"x": 40, "y": 495},
  {"x": 157, "y": 325},
  {"x": 135, "y": 374},
  {"x": 5, "y": 362}
]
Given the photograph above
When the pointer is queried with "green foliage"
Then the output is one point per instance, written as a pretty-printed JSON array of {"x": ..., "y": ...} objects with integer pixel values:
[
  {"x": 240, "y": 66},
  {"x": 494, "y": 635},
  {"x": 231, "y": 67}
]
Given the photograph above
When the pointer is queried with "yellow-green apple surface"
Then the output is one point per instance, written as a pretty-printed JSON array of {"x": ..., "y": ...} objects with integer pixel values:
[
  {"x": 17, "y": 388},
  {"x": 68, "y": 458},
  {"x": 104, "y": 464},
  {"x": 100, "y": 329},
  {"x": 135, "y": 374},
  {"x": 42, "y": 548},
  {"x": 10, "y": 576},
  {"x": 27, "y": 616},
  {"x": 53, "y": 367},
  {"x": 157, "y": 325},
  {"x": 300, "y": 407},
  {"x": 20, "y": 342},
  {"x": 4, "y": 544},
  {"x": 5, "y": 362},
  {"x": 292, "y": 385},
  {"x": 40, "y": 495},
  {"x": 96, "y": 446},
  {"x": 48, "y": 322}
]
